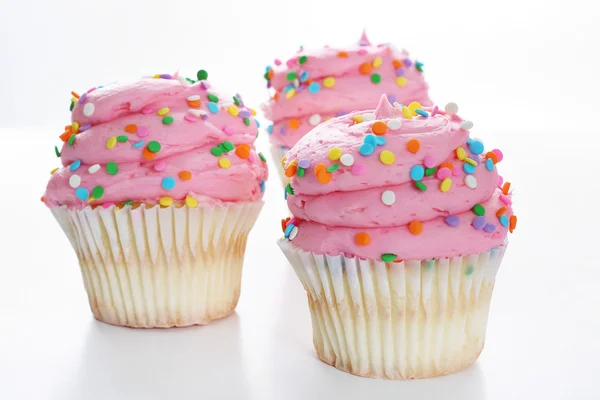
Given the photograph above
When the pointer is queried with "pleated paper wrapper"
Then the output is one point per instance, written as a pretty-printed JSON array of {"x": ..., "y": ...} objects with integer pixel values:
[
  {"x": 278, "y": 153},
  {"x": 160, "y": 267},
  {"x": 405, "y": 320}
]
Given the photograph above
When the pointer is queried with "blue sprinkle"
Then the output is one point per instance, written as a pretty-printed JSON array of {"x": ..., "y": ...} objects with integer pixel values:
[
  {"x": 469, "y": 141},
  {"x": 168, "y": 183},
  {"x": 213, "y": 107},
  {"x": 314, "y": 87},
  {"x": 284, "y": 195},
  {"x": 288, "y": 230},
  {"x": 340, "y": 113},
  {"x": 82, "y": 193},
  {"x": 262, "y": 186},
  {"x": 417, "y": 173},
  {"x": 268, "y": 68},
  {"x": 257, "y": 123},
  {"x": 138, "y": 144},
  {"x": 503, "y": 220},
  {"x": 469, "y": 169},
  {"x": 476, "y": 147},
  {"x": 303, "y": 76},
  {"x": 380, "y": 140},
  {"x": 419, "y": 64},
  {"x": 270, "y": 129},
  {"x": 489, "y": 164},
  {"x": 371, "y": 139},
  {"x": 75, "y": 166},
  {"x": 282, "y": 131},
  {"x": 489, "y": 228},
  {"x": 400, "y": 72},
  {"x": 422, "y": 113},
  {"x": 366, "y": 149},
  {"x": 452, "y": 220},
  {"x": 288, "y": 88}
]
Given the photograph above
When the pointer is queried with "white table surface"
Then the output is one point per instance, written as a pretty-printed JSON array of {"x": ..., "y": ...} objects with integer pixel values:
[{"x": 517, "y": 71}]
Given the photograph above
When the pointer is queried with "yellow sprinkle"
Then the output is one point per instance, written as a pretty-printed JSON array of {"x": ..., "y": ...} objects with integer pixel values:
[
  {"x": 406, "y": 112},
  {"x": 414, "y": 106},
  {"x": 290, "y": 93},
  {"x": 329, "y": 82},
  {"x": 191, "y": 202},
  {"x": 75, "y": 127},
  {"x": 224, "y": 162},
  {"x": 165, "y": 201},
  {"x": 233, "y": 110},
  {"x": 358, "y": 118},
  {"x": 461, "y": 154},
  {"x": 401, "y": 81},
  {"x": 283, "y": 162},
  {"x": 445, "y": 185},
  {"x": 111, "y": 142},
  {"x": 117, "y": 208},
  {"x": 470, "y": 161},
  {"x": 53, "y": 171},
  {"x": 252, "y": 111},
  {"x": 91, "y": 199},
  {"x": 156, "y": 76},
  {"x": 163, "y": 111},
  {"x": 377, "y": 62},
  {"x": 335, "y": 154},
  {"x": 387, "y": 157}
]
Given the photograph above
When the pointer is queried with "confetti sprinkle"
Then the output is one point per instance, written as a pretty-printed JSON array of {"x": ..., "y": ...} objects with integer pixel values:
[
  {"x": 224, "y": 163},
  {"x": 417, "y": 173},
  {"x": 82, "y": 194},
  {"x": 451, "y": 108},
  {"x": 364, "y": 68},
  {"x": 111, "y": 142},
  {"x": 94, "y": 168},
  {"x": 70, "y": 142},
  {"x": 431, "y": 171},
  {"x": 489, "y": 164},
  {"x": 401, "y": 81},
  {"x": 213, "y": 107},
  {"x": 394, "y": 124},
  {"x": 379, "y": 128},
  {"x": 185, "y": 175},
  {"x": 466, "y": 125},
  {"x": 413, "y": 145},
  {"x": 163, "y": 111},
  {"x": 97, "y": 192},
  {"x": 415, "y": 227},
  {"x": 469, "y": 169},
  {"x": 165, "y": 201},
  {"x": 422, "y": 113},
  {"x": 75, "y": 181},
  {"x": 429, "y": 161},
  {"x": 329, "y": 82},
  {"x": 168, "y": 120},
  {"x": 388, "y": 257},
  {"x": 478, "y": 209},
  {"x": 387, "y": 157},
  {"x": 388, "y": 197},
  {"x": 347, "y": 160},
  {"x": 413, "y": 107},
  {"x": 314, "y": 119},
  {"x": 445, "y": 185},
  {"x": 75, "y": 165},
  {"x": 88, "y": 109},
  {"x": 406, "y": 112},
  {"x": 112, "y": 168},
  {"x": 452, "y": 220},
  {"x": 334, "y": 154},
  {"x": 191, "y": 202},
  {"x": 333, "y": 168},
  {"x": 202, "y": 75},
  {"x": 194, "y": 101},
  {"x": 513, "y": 223},
  {"x": 471, "y": 181},
  {"x": 168, "y": 183},
  {"x": 376, "y": 78},
  {"x": 476, "y": 147},
  {"x": 498, "y": 154},
  {"x": 504, "y": 220},
  {"x": 314, "y": 87},
  {"x": 131, "y": 128},
  {"x": 154, "y": 146},
  {"x": 489, "y": 228},
  {"x": 362, "y": 239},
  {"x": 421, "y": 186},
  {"x": 366, "y": 149},
  {"x": 358, "y": 169},
  {"x": 142, "y": 131},
  {"x": 479, "y": 222}
]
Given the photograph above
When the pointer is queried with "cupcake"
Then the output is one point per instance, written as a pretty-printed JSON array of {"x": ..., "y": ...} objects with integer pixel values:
[
  {"x": 158, "y": 188},
  {"x": 314, "y": 86},
  {"x": 399, "y": 226}
]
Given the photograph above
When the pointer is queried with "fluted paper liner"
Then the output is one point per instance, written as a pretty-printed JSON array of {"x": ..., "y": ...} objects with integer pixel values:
[
  {"x": 412, "y": 319},
  {"x": 160, "y": 267},
  {"x": 278, "y": 153}
]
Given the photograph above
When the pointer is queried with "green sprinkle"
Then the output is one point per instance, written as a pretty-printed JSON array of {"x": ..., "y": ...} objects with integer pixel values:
[
  {"x": 128, "y": 203},
  {"x": 469, "y": 271},
  {"x": 388, "y": 257},
  {"x": 71, "y": 139},
  {"x": 302, "y": 59},
  {"x": 266, "y": 76},
  {"x": 213, "y": 97},
  {"x": 202, "y": 75},
  {"x": 419, "y": 66},
  {"x": 430, "y": 171},
  {"x": 290, "y": 76},
  {"x": 154, "y": 146},
  {"x": 168, "y": 120},
  {"x": 300, "y": 172},
  {"x": 247, "y": 121},
  {"x": 97, "y": 192},
  {"x": 333, "y": 168},
  {"x": 190, "y": 80},
  {"x": 478, "y": 209},
  {"x": 236, "y": 101},
  {"x": 228, "y": 146},
  {"x": 216, "y": 151},
  {"x": 289, "y": 189},
  {"x": 112, "y": 168},
  {"x": 122, "y": 139},
  {"x": 262, "y": 157},
  {"x": 375, "y": 78},
  {"x": 421, "y": 186},
  {"x": 72, "y": 106},
  {"x": 57, "y": 152}
]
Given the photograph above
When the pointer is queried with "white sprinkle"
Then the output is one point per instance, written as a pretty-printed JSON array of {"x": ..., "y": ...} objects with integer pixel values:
[
  {"x": 94, "y": 168},
  {"x": 394, "y": 124},
  {"x": 75, "y": 181},
  {"x": 296, "y": 83},
  {"x": 388, "y": 197},
  {"x": 88, "y": 109},
  {"x": 466, "y": 125},
  {"x": 451, "y": 108},
  {"x": 314, "y": 119},
  {"x": 195, "y": 97},
  {"x": 398, "y": 105},
  {"x": 470, "y": 181},
  {"x": 184, "y": 82},
  {"x": 347, "y": 160},
  {"x": 293, "y": 233},
  {"x": 197, "y": 113},
  {"x": 368, "y": 116}
]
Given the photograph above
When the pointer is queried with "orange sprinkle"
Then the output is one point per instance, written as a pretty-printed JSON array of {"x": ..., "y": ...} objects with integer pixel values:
[
  {"x": 397, "y": 64},
  {"x": 42, "y": 199},
  {"x": 194, "y": 103},
  {"x": 283, "y": 222},
  {"x": 505, "y": 188},
  {"x": 447, "y": 164},
  {"x": 131, "y": 128},
  {"x": 324, "y": 177},
  {"x": 513, "y": 223},
  {"x": 75, "y": 95},
  {"x": 379, "y": 128},
  {"x": 501, "y": 211},
  {"x": 148, "y": 155},
  {"x": 415, "y": 227},
  {"x": 276, "y": 96},
  {"x": 270, "y": 73},
  {"x": 291, "y": 170},
  {"x": 362, "y": 239},
  {"x": 185, "y": 175},
  {"x": 243, "y": 151},
  {"x": 493, "y": 156},
  {"x": 319, "y": 167},
  {"x": 413, "y": 145},
  {"x": 294, "y": 123},
  {"x": 365, "y": 68},
  {"x": 343, "y": 54},
  {"x": 65, "y": 136},
  {"x": 398, "y": 260},
  {"x": 68, "y": 128}
]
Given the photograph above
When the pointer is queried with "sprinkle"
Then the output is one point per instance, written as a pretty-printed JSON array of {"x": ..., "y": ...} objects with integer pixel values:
[
  {"x": 505, "y": 199},
  {"x": 335, "y": 154},
  {"x": 227, "y": 146},
  {"x": 489, "y": 164},
  {"x": 388, "y": 197},
  {"x": 370, "y": 139},
  {"x": 324, "y": 177},
  {"x": 342, "y": 54},
  {"x": 368, "y": 116},
  {"x": 406, "y": 112},
  {"x": 445, "y": 185},
  {"x": 233, "y": 110},
  {"x": 503, "y": 220},
  {"x": 88, "y": 109},
  {"x": 163, "y": 111},
  {"x": 122, "y": 139},
  {"x": 202, "y": 75},
  {"x": 97, "y": 192},
  {"x": 194, "y": 101},
  {"x": 377, "y": 62},
  {"x": 469, "y": 169},
  {"x": 247, "y": 121},
  {"x": 417, "y": 172},
  {"x": 362, "y": 239},
  {"x": 74, "y": 181},
  {"x": 112, "y": 168},
  {"x": 415, "y": 227},
  {"x": 394, "y": 124},
  {"x": 444, "y": 173},
  {"x": 492, "y": 156},
  {"x": 429, "y": 161},
  {"x": 365, "y": 68},
  {"x": 318, "y": 168},
  {"x": 498, "y": 154},
  {"x": 430, "y": 171},
  {"x": 489, "y": 228},
  {"x": 314, "y": 119},
  {"x": 451, "y": 108},
  {"x": 506, "y": 188},
  {"x": 84, "y": 127},
  {"x": 70, "y": 141},
  {"x": 419, "y": 66},
  {"x": 224, "y": 162},
  {"x": 422, "y": 113},
  {"x": 413, "y": 145},
  {"x": 479, "y": 222},
  {"x": 333, "y": 168},
  {"x": 461, "y": 154},
  {"x": 131, "y": 128},
  {"x": 128, "y": 203},
  {"x": 375, "y": 78},
  {"x": 358, "y": 169},
  {"x": 314, "y": 87},
  {"x": 213, "y": 107},
  {"x": 94, "y": 168},
  {"x": 471, "y": 161},
  {"x": 471, "y": 181},
  {"x": 301, "y": 172},
  {"x": 452, "y": 220},
  {"x": 347, "y": 160},
  {"x": 243, "y": 151},
  {"x": 401, "y": 81},
  {"x": 388, "y": 257},
  {"x": 191, "y": 202},
  {"x": 75, "y": 127},
  {"x": 190, "y": 118},
  {"x": 142, "y": 131},
  {"x": 304, "y": 164},
  {"x": 421, "y": 186},
  {"x": 168, "y": 183},
  {"x": 168, "y": 120},
  {"x": 379, "y": 128},
  {"x": 111, "y": 142},
  {"x": 216, "y": 151},
  {"x": 185, "y": 175},
  {"x": 413, "y": 107},
  {"x": 289, "y": 189},
  {"x": 75, "y": 165},
  {"x": 291, "y": 170},
  {"x": 329, "y": 82},
  {"x": 82, "y": 193},
  {"x": 478, "y": 209},
  {"x": 501, "y": 211},
  {"x": 147, "y": 110},
  {"x": 387, "y": 157},
  {"x": 513, "y": 223},
  {"x": 466, "y": 125},
  {"x": 53, "y": 171},
  {"x": 366, "y": 149},
  {"x": 165, "y": 201},
  {"x": 294, "y": 123},
  {"x": 434, "y": 111},
  {"x": 476, "y": 147},
  {"x": 262, "y": 157}
]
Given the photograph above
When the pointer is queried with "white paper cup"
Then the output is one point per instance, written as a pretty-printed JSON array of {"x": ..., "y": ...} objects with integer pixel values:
[
  {"x": 406, "y": 320},
  {"x": 278, "y": 152},
  {"x": 160, "y": 267}
]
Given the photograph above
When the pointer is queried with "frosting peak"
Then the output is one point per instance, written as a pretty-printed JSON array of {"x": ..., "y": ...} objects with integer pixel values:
[{"x": 364, "y": 40}]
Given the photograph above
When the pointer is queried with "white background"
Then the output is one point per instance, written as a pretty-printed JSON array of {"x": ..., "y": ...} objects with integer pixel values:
[{"x": 526, "y": 72}]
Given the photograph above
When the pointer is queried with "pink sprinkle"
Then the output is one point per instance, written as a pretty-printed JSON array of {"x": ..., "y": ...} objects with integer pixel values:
[
  {"x": 228, "y": 130},
  {"x": 190, "y": 118},
  {"x": 277, "y": 61},
  {"x": 252, "y": 156},
  {"x": 290, "y": 63},
  {"x": 457, "y": 172},
  {"x": 361, "y": 52},
  {"x": 500, "y": 181},
  {"x": 358, "y": 169},
  {"x": 434, "y": 111},
  {"x": 429, "y": 161},
  {"x": 444, "y": 173},
  {"x": 91, "y": 90},
  {"x": 108, "y": 204},
  {"x": 147, "y": 110},
  {"x": 498, "y": 154},
  {"x": 142, "y": 131},
  {"x": 160, "y": 166},
  {"x": 291, "y": 221},
  {"x": 505, "y": 199}
]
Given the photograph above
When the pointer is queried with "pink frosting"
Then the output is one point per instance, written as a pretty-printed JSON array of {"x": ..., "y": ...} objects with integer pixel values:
[
  {"x": 330, "y": 215},
  {"x": 352, "y": 90},
  {"x": 185, "y": 145}
]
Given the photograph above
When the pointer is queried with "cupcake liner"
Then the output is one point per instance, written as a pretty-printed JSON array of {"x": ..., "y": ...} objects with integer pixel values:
[
  {"x": 160, "y": 267},
  {"x": 397, "y": 320},
  {"x": 278, "y": 153}
]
